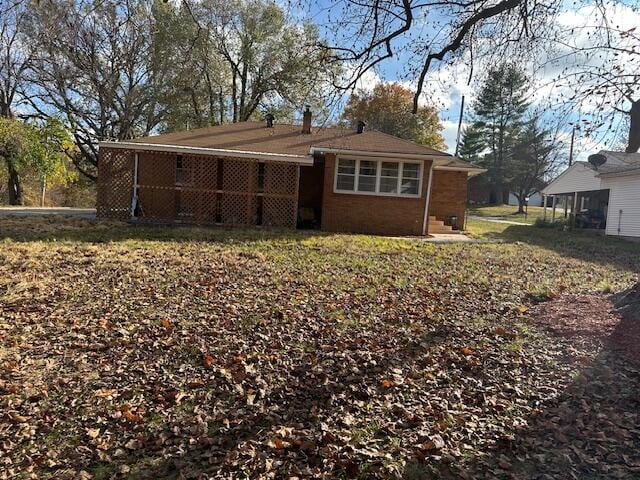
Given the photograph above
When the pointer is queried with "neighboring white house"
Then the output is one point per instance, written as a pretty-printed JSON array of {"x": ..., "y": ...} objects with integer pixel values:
[
  {"x": 609, "y": 182},
  {"x": 535, "y": 199}
]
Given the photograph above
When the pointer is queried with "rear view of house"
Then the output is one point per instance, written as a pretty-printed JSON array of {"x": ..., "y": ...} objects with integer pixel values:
[{"x": 337, "y": 179}]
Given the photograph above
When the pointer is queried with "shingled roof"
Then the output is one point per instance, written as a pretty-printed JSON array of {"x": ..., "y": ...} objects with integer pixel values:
[{"x": 288, "y": 140}]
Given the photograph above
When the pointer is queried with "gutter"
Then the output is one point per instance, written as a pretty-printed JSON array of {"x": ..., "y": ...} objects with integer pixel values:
[
  {"x": 471, "y": 171},
  {"x": 439, "y": 162},
  {"x": 394, "y": 155},
  {"x": 220, "y": 152}
]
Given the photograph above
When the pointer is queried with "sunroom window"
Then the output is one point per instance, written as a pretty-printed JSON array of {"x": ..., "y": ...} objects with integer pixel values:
[
  {"x": 389, "y": 177},
  {"x": 410, "y": 179},
  {"x": 346, "y": 175},
  {"x": 378, "y": 177},
  {"x": 367, "y": 175}
]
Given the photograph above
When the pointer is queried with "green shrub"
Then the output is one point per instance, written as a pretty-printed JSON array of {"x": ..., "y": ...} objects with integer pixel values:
[{"x": 562, "y": 223}]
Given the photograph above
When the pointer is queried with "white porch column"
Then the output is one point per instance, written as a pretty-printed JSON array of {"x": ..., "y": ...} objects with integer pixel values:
[
  {"x": 544, "y": 204},
  {"x": 574, "y": 208},
  {"x": 553, "y": 208}
]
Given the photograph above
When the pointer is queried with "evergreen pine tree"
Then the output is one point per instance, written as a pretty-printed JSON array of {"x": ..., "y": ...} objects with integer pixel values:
[{"x": 498, "y": 121}]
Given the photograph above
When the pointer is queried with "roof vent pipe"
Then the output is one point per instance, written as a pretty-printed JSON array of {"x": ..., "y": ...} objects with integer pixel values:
[
  {"x": 306, "y": 121},
  {"x": 361, "y": 126},
  {"x": 269, "y": 118}
]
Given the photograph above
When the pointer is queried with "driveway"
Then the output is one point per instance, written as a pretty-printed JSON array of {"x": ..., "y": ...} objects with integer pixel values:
[{"x": 88, "y": 213}]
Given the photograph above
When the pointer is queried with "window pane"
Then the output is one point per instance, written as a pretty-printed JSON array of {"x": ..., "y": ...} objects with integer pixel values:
[
  {"x": 388, "y": 185},
  {"x": 389, "y": 169},
  {"x": 346, "y": 166},
  {"x": 345, "y": 182},
  {"x": 367, "y": 167},
  {"x": 409, "y": 186},
  {"x": 367, "y": 176},
  {"x": 366, "y": 184},
  {"x": 410, "y": 170}
]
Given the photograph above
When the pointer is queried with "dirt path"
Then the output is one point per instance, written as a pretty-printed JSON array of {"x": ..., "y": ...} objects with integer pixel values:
[{"x": 497, "y": 220}]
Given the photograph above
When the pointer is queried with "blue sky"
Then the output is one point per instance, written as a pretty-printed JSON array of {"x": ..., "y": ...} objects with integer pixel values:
[{"x": 446, "y": 85}]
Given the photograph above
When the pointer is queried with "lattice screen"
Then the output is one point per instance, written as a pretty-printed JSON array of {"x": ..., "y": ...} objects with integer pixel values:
[
  {"x": 115, "y": 183},
  {"x": 197, "y": 189}
]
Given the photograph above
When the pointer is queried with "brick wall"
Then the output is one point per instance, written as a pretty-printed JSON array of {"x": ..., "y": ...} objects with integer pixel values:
[
  {"x": 343, "y": 212},
  {"x": 448, "y": 194}
]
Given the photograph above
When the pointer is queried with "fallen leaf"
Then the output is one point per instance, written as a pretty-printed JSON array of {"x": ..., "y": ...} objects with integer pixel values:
[
  {"x": 387, "y": 383},
  {"x": 207, "y": 360}
]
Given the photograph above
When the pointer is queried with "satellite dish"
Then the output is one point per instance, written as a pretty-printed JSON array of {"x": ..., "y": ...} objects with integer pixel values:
[{"x": 597, "y": 159}]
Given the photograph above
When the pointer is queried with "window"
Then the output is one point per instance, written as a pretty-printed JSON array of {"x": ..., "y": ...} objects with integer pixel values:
[
  {"x": 410, "y": 179},
  {"x": 184, "y": 175},
  {"x": 381, "y": 177},
  {"x": 367, "y": 175},
  {"x": 346, "y": 179},
  {"x": 389, "y": 177}
]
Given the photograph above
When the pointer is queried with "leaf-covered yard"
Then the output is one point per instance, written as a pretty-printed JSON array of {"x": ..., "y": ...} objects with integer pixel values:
[{"x": 133, "y": 352}]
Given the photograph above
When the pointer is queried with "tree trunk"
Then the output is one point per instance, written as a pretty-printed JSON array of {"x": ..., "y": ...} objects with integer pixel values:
[
  {"x": 221, "y": 102},
  {"x": 43, "y": 190},
  {"x": 15, "y": 185},
  {"x": 234, "y": 98},
  {"x": 634, "y": 128}
]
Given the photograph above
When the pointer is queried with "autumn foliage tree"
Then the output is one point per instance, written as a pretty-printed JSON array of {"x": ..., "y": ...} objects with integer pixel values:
[{"x": 388, "y": 108}]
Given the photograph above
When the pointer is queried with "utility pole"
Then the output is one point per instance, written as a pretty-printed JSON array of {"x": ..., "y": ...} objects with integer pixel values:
[
  {"x": 573, "y": 134},
  {"x": 459, "y": 126}
]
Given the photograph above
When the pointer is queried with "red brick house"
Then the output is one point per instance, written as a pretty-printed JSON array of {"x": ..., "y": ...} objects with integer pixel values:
[{"x": 337, "y": 179}]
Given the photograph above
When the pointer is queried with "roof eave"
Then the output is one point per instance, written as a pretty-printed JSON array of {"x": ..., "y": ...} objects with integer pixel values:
[
  {"x": 471, "y": 171},
  {"x": 369, "y": 153},
  {"x": 218, "y": 152}
]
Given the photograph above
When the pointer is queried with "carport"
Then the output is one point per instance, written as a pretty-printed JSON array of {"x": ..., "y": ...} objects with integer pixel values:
[{"x": 578, "y": 188}]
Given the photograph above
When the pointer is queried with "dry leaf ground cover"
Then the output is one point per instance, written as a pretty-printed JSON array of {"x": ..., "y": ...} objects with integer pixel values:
[{"x": 139, "y": 352}]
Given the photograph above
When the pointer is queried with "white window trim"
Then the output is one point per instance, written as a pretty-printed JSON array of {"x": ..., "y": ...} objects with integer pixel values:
[{"x": 377, "y": 192}]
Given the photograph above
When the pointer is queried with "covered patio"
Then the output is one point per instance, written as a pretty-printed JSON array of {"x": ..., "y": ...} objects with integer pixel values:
[
  {"x": 578, "y": 193},
  {"x": 573, "y": 203}
]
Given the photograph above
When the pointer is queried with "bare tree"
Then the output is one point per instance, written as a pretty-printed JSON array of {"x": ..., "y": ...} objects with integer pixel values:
[
  {"x": 269, "y": 58},
  {"x": 96, "y": 68},
  {"x": 600, "y": 75},
  {"x": 429, "y": 32},
  {"x": 15, "y": 60}
]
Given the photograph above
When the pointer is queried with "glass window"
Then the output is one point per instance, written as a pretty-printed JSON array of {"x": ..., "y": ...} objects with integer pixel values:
[
  {"x": 184, "y": 175},
  {"x": 389, "y": 177},
  {"x": 378, "y": 176},
  {"x": 367, "y": 176},
  {"x": 410, "y": 179},
  {"x": 347, "y": 166},
  {"x": 346, "y": 175}
]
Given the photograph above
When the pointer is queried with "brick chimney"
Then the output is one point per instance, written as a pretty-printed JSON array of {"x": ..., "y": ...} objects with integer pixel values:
[{"x": 306, "y": 121}]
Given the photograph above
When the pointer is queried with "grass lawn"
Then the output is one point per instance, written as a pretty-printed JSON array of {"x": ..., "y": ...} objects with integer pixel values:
[
  {"x": 142, "y": 352},
  {"x": 510, "y": 212}
]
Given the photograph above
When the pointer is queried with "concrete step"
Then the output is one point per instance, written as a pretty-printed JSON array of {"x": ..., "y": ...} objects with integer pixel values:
[{"x": 438, "y": 226}]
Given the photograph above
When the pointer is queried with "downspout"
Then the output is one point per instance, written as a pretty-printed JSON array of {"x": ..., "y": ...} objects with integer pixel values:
[
  {"x": 134, "y": 198},
  {"x": 426, "y": 201},
  {"x": 619, "y": 222}
]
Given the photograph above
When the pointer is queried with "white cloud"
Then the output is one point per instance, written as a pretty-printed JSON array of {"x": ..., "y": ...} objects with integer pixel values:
[{"x": 450, "y": 134}]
